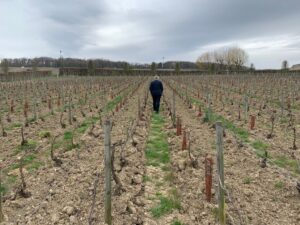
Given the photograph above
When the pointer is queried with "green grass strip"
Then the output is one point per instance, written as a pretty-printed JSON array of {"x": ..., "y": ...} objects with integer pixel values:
[
  {"x": 165, "y": 206},
  {"x": 157, "y": 148}
]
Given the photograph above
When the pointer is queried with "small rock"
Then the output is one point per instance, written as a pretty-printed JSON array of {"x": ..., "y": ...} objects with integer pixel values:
[
  {"x": 250, "y": 217},
  {"x": 213, "y": 191},
  {"x": 39, "y": 216},
  {"x": 140, "y": 202},
  {"x": 183, "y": 154},
  {"x": 193, "y": 218},
  {"x": 55, "y": 218},
  {"x": 7, "y": 223},
  {"x": 91, "y": 187},
  {"x": 181, "y": 165},
  {"x": 203, "y": 214},
  {"x": 16, "y": 204},
  {"x": 50, "y": 178},
  {"x": 229, "y": 141},
  {"x": 69, "y": 210},
  {"x": 130, "y": 208},
  {"x": 138, "y": 179},
  {"x": 44, "y": 204},
  {"x": 73, "y": 220},
  {"x": 248, "y": 192},
  {"x": 16, "y": 172},
  {"x": 117, "y": 166},
  {"x": 51, "y": 191}
]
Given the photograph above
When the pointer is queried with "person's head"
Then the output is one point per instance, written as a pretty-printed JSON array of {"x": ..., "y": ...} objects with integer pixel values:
[{"x": 156, "y": 77}]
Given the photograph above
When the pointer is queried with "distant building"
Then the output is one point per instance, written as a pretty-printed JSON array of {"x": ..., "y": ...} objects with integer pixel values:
[{"x": 295, "y": 67}]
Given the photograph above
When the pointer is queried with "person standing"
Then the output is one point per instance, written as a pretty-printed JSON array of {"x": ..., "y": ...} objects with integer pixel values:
[{"x": 156, "y": 89}]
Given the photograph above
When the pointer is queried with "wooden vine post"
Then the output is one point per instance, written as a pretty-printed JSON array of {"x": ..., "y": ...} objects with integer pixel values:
[
  {"x": 245, "y": 107},
  {"x": 108, "y": 166},
  {"x": 220, "y": 166},
  {"x": 69, "y": 109},
  {"x": 23, "y": 183},
  {"x": 173, "y": 110},
  {"x": 281, "y": 104},
  {"x": 1, "y": 213},
  {"x": 139, "y": 109},
  {"x": 209, "y": 106},
  {"x": 34, "y": 109}
]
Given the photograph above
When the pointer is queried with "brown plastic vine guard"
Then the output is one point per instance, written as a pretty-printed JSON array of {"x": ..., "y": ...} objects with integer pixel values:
[
  {"x": 199, "y": 112},
  {"x": 26, "y": 108},
  {"x": 208, "y": 177},
  {"x": 178, "y": 127},
  {"x": 50, "y": 103},
  {"x": 252, "y": 122},
  {"x": 288, "y": 103},
  {"x": 184, "y": 141},
  {"x": 58, "y": 101},
  {"x": 12, "y": 106}
]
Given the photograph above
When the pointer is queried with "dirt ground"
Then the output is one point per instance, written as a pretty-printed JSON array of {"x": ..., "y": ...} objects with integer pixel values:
[{"x": 73, "y": 193}]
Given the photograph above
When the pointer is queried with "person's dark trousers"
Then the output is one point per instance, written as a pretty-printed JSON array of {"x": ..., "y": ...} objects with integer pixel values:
[{"x": 156, "y": 102}]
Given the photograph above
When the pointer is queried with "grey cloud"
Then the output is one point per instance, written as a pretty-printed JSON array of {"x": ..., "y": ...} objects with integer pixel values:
[
  {"x": 231, "y": 20},
  {"x": 70, "y": 12},
  {"x": 175, "y": 29},
  {"x": 64, "y": 24}
]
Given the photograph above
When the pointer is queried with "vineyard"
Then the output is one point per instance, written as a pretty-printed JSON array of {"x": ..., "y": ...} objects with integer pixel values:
[{"x": 89, "y": 150}]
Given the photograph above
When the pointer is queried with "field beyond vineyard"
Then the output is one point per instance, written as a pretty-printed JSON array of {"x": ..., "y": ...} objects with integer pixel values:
[{"x": 52, "y": 150}]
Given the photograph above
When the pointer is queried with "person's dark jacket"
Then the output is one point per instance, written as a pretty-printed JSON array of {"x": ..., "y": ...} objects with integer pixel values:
[{"x": 156, "y": 87}]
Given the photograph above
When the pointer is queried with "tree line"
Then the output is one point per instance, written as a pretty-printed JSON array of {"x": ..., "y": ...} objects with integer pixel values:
[
  {"x": 226, "y": 59},
  {"x": 232, "y": 59},
  {"x": 83, "y": 63}
]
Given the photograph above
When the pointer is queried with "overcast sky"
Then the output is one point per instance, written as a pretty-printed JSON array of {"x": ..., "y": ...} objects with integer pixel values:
[{"x": 148, "y": 30}]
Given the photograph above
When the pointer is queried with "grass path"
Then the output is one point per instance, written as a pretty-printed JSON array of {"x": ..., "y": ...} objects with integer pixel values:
[{"x": 162, "y": 198}]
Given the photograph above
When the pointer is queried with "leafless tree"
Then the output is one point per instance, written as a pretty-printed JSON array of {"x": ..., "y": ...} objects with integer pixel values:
[
  {"x": 219, "y": 58},
  {"x": 239, "y": 57},
  {"x": 35, "y": 66},
  {"x": 232, "y": 58},
  {"x": 4, "y": 66},
  {"x": 205, "y": 60},
  {"x": 252, "y": 67},
  {"x": 285, "y": 65}
]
